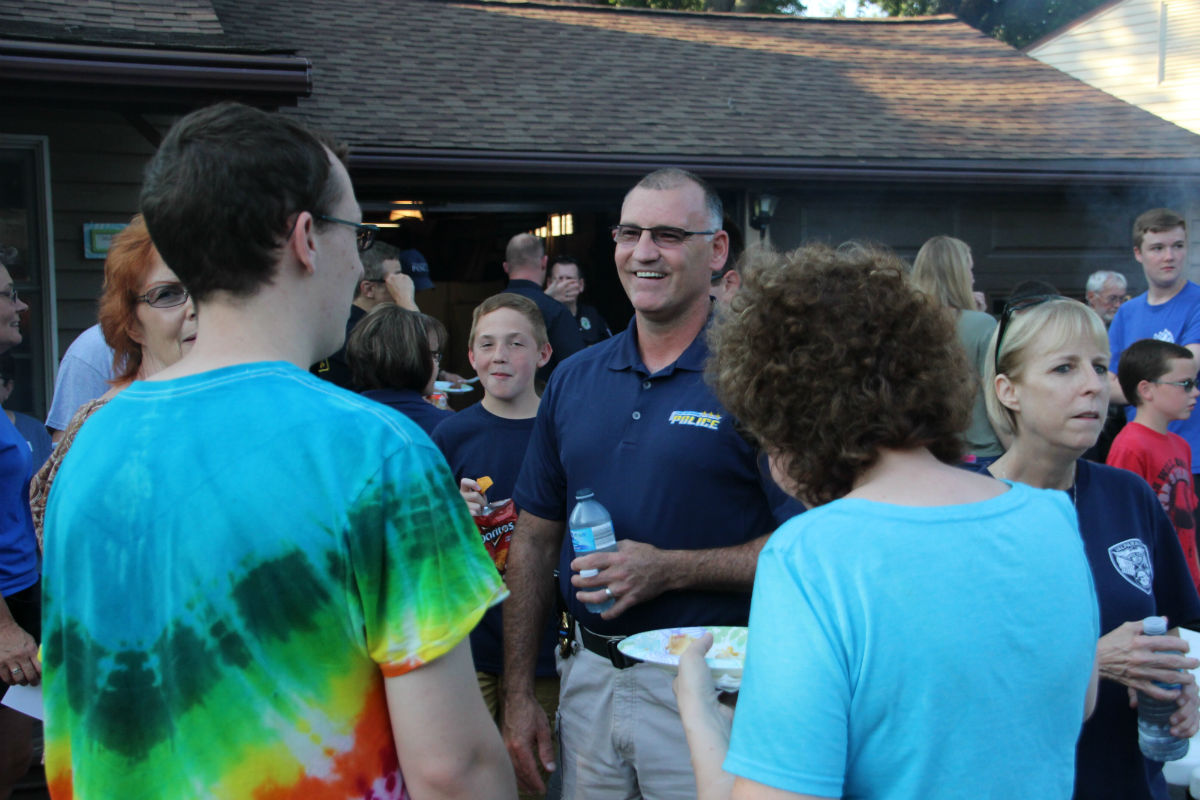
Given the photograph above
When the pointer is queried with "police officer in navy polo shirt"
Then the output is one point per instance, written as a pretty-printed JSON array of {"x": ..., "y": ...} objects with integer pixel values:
[{"x": 633, "y": 420}]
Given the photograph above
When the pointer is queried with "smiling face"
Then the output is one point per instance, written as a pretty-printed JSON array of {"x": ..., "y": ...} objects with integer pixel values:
[
  {"x": 1163, "y": 256},
  {"x": 10, "y": 313},
  {"x": 664, "y": 283},
  {"x": 1168, "y": 398},
  {"x": 165, "y": 334},
  {"x": 1061, "y": 395},
  {"x": 505, "y": 354}
]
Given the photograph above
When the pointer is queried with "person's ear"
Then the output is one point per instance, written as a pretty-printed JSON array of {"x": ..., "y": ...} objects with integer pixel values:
[
  {"x": 471, "y": 355},
  {"x": 720, "y": 251},
  {"x": 1145, "y": 390},
  {"x": 544, "y": 354},
  {"x": 135, "y": 332},
  {"x": 1008, "y": 393},
  {"x": 302, "y": 242}
]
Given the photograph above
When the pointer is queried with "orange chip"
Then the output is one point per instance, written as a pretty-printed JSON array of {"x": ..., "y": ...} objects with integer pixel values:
[{"x": 485, "y": 483}]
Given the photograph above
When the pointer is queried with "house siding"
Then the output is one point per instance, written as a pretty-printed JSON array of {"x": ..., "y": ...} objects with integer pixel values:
[{"x": 1124, "y": 50}]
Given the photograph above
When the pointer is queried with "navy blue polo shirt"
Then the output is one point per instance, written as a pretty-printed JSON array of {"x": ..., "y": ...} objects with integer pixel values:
[{"x": 662, "y": 456}]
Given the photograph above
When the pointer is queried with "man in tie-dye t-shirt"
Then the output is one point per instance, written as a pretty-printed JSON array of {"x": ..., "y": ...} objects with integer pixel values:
[{"x": 259, "y": 585}]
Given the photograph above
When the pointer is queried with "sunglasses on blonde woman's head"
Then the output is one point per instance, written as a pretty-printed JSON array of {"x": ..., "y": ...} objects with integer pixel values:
[{"x": 1016, "y": 307}]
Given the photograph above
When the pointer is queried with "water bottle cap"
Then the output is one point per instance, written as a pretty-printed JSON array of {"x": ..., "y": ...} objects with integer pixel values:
[
  {"x": 1154, "y": 626},
  {"x": 584, "y": 494}
]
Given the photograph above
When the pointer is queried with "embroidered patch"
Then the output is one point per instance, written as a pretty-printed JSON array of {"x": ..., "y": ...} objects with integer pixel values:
[
  {"x": 698, "y": 419},
  {"x": 1132, "y": 560},
  {"x": 585, "y": 323}
]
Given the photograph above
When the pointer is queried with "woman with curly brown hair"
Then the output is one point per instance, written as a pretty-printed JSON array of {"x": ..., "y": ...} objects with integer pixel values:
[{"x": 896, "y": 629}]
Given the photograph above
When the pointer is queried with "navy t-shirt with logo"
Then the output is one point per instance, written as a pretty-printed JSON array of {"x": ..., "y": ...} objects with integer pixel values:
[
  {"x": 1139, "y": 571},
  {"x": 662, "y": 455}
]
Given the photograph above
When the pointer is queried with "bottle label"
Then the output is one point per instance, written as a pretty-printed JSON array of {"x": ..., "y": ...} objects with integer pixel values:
[{"x": 582, "y": 540}]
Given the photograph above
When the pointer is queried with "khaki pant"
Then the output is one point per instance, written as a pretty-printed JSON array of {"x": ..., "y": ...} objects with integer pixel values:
[{"x": 620, "y": 734}]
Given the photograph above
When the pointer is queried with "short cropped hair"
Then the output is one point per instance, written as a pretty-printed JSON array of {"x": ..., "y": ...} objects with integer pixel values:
[
  {"x": 565, "y": 259},
  {"x": 1097, "y": 279},
  {"x": 128, "y": 264},
  {"x": 942, "y": 270},
  {"x": 389, "y": 349},
  {"x": 373, "y": 259},
  {"x": 519, "y": 303},
  {"x": 223, "y": 190},
  {"x": 524, "y": 249},
  {"x": 826, "y": 378},
  {"x": 1156, "y": 220},
  {"x": 1040, "y": 328},
  {"x": 1146, "y": 360},
  {"x": 673, "y": 178}
]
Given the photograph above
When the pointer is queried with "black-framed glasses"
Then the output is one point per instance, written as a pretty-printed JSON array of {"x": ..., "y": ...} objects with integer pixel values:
[
  {"x": 1187, "y": 384},
  {"x": 364, "y": 233},
  {"x": 661, "y": 235},
  {"x": 11, "y": 294},
  {"x": 166, "y": 295},
  {"x": 1016, "y": 307}
]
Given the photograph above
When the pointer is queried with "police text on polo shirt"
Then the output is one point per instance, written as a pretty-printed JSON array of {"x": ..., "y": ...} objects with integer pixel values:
[{"x": 698, "y": 419}]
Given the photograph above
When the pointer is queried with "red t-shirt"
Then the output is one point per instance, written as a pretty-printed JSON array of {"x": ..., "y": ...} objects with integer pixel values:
[{"x": 1165, "y": 461}]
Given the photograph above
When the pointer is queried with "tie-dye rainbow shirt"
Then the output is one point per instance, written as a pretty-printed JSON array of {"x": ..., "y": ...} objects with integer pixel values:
[{"x": 234, "y": 561}]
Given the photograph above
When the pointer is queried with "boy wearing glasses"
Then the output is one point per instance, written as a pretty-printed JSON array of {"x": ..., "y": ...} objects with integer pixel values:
[{"x": 1160, "y": 380}]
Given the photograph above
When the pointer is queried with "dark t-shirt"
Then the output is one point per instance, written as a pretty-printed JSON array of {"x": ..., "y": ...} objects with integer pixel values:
[
  {"x": 412, "y": 405},
  {"x": 476, "y": 442}
]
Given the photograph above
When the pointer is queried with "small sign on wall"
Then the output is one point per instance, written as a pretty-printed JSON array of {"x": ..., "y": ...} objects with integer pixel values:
[{"x": 97, "y": 236}]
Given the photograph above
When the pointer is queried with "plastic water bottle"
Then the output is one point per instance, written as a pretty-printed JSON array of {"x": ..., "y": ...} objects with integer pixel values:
[
  {"x": 591, "y": 532},
  {"x": 1154, "y": 716}
]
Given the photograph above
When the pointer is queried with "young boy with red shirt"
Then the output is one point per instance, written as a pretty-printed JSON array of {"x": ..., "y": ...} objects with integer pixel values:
[{"x": 1159, "y": 378}]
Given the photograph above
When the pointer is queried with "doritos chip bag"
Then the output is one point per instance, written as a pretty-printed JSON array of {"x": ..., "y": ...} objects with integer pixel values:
[{"x": 496, "y": 524}]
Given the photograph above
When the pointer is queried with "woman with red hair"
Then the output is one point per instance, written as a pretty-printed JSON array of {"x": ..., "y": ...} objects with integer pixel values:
[{"x": 147, "y": 318}]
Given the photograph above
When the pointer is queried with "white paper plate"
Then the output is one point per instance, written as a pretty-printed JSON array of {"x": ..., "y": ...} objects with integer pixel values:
[
  {"x": 449, "y": 388},
  {"x": 725, "y": 658}
]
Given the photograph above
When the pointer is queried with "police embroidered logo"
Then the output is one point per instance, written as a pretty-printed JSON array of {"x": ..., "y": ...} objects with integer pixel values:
[
  {"x": 585, "y": 324},
  {"x": 1132, "y": 559},
  {"x": 697, "y": 419}
]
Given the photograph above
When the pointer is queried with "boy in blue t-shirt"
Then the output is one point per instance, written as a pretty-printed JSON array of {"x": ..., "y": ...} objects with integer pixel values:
[{"x": 508, "y": 343}]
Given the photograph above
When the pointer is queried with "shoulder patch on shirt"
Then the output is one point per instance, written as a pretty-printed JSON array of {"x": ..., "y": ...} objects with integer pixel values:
[
  {"x": 697, "y": 419},
  {"x": 1132, "y": 560}
]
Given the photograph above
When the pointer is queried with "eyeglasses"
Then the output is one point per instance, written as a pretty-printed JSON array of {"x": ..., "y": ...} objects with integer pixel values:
[
  {"x": 364, "y": 234},
  {"x": 167, "y": 295},
  {"x": 1015, "y": 307},
  {"x": 1187, "y": 384},
  {"x": 661, "y": 235},
  {"x": 11, "y": 294}
]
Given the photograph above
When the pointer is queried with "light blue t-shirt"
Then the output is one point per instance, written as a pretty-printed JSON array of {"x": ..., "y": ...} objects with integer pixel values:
[
  {"x": 83, "y": 375},
  {"x": 1178, "y": 321},
  {"x": 919, "y": 653}
]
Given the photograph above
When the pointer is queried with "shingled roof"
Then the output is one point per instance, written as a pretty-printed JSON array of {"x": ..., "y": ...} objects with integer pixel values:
[{"x": 557, "y": 78}]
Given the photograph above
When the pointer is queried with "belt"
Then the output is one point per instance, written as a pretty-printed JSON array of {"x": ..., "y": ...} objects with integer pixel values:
[{"x": 605, "y": 647}]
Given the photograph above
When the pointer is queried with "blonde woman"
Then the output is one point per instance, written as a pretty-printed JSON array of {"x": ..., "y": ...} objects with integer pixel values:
[
  {"x": 1048, "y": 382},
  {"x": 943, "y": 270}
]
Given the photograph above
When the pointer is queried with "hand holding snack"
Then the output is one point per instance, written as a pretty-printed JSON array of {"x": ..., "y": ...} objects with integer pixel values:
[
  {"x": 496, "y": 521},
  {"x": 473, "y": 493}
]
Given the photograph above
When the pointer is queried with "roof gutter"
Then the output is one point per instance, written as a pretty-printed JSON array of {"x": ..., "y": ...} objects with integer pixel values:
[
  {"x": 59, "y": 68},
  {"x": 967, "y": 171}
]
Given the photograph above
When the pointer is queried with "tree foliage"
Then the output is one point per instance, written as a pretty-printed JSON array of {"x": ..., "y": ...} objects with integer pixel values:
[{"x": 1017, "y": 22}]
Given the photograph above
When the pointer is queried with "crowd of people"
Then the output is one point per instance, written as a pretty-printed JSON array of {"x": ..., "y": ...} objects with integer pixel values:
[{"x": 260, "y": 562}]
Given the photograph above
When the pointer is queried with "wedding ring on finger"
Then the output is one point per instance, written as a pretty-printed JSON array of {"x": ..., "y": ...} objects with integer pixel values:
[
  {"x": 610, "y": 594},
  {"x": 17, "y": 672}
]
